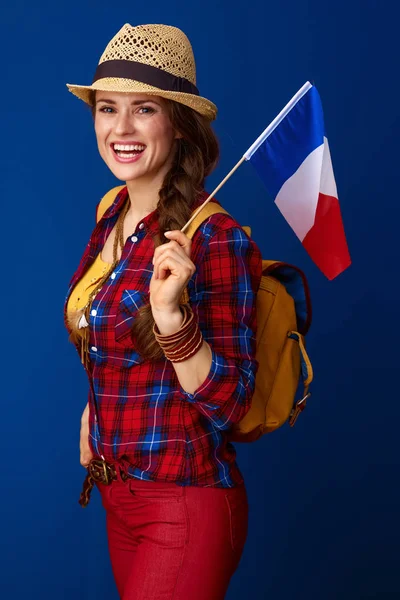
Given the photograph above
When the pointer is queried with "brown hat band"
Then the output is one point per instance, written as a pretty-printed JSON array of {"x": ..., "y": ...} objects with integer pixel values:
[{"x": 129, "y": 69}]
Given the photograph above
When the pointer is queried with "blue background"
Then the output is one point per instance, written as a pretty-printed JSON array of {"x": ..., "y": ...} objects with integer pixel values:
[{"x": 324, "y": 496}]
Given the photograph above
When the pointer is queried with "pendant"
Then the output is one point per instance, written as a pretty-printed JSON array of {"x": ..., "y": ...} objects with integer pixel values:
[{"x": 83, "y": 322}]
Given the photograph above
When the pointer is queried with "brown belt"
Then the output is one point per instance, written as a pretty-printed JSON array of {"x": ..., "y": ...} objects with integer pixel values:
[{"x": 98, "y": 471}]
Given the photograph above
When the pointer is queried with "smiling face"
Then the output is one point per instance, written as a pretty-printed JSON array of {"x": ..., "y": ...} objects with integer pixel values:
[{"x": 134, "y": 135}]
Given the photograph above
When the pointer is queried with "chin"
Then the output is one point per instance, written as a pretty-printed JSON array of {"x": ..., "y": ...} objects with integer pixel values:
[{"x": 124, "y": 173}]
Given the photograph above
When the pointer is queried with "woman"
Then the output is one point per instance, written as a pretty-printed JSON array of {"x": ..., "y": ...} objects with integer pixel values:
[{"x": 167, "y": 378}]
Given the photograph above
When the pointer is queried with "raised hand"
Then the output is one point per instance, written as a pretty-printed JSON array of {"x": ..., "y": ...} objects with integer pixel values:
[{"x": 172, "y": 269}]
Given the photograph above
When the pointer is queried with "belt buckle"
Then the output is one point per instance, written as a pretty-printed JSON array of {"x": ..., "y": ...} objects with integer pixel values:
[{"x": 101, "y": 471}]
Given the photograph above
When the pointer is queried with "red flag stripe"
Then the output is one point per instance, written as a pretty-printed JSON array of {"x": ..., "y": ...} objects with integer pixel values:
[{"x": 326, "y": 241}]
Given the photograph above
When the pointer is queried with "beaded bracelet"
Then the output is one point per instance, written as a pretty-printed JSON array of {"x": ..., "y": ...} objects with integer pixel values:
[{"x": 185, "y": 342}]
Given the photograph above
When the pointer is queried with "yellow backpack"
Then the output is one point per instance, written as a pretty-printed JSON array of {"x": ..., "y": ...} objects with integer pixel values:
[{"x": 283, "y": 319}]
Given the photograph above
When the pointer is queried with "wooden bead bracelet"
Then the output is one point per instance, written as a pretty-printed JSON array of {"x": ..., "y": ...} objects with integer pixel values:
[{"x": 185, "y": 342}]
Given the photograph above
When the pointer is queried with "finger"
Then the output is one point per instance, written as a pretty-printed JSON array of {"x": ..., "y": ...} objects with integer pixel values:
[
  {"x": 182, "y": 260},
  {"x": 167, "y": 249},
  {"x": 178, "y": 270},
  {"x": 172, "y": 245},
  {"x": 168, "y": 265},
  {"x": 184, "y": 264},
  {"x": 181, "y": 238}
]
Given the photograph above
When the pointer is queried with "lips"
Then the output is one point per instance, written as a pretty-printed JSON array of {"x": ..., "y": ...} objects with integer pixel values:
[{"x": 127, "y": 151}]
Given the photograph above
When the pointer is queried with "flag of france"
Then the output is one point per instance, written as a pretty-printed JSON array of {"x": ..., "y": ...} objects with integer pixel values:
[{"x": 292, "y": 158}]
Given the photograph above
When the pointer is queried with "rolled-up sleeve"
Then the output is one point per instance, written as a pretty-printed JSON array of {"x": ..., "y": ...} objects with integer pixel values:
[{"x": 223, "y": 298}]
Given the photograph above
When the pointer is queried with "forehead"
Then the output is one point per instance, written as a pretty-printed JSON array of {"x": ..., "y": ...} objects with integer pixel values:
[{"x": 128, "y": 97}]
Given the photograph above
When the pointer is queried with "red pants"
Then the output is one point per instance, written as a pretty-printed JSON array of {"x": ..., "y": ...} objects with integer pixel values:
[{"x": 169, "y": 542}]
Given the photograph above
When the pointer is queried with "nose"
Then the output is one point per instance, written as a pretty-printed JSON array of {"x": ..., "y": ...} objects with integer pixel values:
[{"x": 124, "y": 123}]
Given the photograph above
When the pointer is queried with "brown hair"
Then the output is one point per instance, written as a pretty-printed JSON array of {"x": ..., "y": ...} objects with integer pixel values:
[{"x": 196, "y": 156}]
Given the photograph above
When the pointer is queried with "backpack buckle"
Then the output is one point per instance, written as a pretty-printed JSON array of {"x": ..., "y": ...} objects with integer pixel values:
[{"x": 298, "y": 408}]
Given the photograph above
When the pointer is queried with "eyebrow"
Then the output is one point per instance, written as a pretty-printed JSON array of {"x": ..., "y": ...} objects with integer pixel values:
[{"x": 134, "y": 103}]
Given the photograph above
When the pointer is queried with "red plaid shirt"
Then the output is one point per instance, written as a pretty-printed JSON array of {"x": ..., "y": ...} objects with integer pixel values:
[{"x": 138, "y": 411}]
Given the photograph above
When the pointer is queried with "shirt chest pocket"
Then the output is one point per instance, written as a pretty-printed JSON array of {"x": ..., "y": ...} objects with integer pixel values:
[{"x": 126, "y": 354}]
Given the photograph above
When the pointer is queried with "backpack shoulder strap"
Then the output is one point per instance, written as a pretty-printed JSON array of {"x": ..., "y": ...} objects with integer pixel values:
[
  {"x": 107, "y": 200},
  {"x": 211, "y": 208},
  {"x": 296, "y": 285}
]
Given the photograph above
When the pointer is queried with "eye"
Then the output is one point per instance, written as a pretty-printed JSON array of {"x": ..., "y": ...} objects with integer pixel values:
[
  {"x": 149, "y": 110},
  {"x": 105, "y": 109}
]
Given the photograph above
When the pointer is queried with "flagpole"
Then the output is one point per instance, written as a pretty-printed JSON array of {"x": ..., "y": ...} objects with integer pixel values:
[
  {"x": 247, "y": 155},
  {"x": 213, "y": 194}
]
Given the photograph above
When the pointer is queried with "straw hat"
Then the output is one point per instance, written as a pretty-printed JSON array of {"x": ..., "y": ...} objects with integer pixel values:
[{"x": 153, "y": 59}]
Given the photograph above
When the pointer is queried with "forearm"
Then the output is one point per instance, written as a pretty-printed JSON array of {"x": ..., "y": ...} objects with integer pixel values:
[
  {"x": 85, "y": 415},
  {"x": 85, "y": 452},
  {"x": 193, "y": 371}
]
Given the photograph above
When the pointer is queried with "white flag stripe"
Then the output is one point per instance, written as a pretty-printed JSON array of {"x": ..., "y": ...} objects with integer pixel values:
[
  {"x": 328, "y": 183},
  {"x": 298, "y": 197},
  {"x": 274, "y": 124}
]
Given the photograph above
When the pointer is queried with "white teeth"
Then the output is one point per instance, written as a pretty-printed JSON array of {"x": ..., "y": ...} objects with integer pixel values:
[{"x": 136, "y": 147}]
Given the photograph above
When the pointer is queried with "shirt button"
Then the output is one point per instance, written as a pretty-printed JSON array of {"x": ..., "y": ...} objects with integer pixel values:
[
  {"x": 113, "y": 275},
  {"x": 93, "y": 313},
  {"x": 134, "y": 238},
  {"x": 94, "y": 348},
  {"x": 141, "y": 225}
]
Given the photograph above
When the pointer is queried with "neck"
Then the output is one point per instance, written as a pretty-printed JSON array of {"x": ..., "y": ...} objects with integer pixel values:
[
  {"x": 143, "y": 198},
  {"x": 144, "y": 194}
]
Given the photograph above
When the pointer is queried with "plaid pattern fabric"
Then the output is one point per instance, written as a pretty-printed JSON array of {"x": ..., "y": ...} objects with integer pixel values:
[{"x": 139, "y": 412}]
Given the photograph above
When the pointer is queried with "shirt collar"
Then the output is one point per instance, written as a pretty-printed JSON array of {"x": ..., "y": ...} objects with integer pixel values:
[{"x": 150, "y": 221}]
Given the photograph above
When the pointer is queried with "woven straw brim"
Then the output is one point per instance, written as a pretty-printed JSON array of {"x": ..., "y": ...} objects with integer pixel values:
[{"x": 115, "y": 84}]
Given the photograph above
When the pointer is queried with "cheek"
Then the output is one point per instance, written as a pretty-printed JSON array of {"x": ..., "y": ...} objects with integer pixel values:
[
  {"x": 101, "y": 135},
  {"x": 167, "y": 138},
  {"x": 162, "y": 133},
  {"x": 100, "y": 131}
]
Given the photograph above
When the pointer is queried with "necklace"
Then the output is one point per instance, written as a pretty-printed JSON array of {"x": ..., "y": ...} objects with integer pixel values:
[{"x": 79, "y": 319}]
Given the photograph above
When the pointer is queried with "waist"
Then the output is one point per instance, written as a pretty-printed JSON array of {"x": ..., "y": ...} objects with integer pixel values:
[
  {"x": 184, "y": 473},
  {"x": 102, "y": 471}
]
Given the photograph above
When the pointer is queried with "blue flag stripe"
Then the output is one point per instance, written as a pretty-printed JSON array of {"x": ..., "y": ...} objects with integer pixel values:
[{"x": 287, "y": 147}]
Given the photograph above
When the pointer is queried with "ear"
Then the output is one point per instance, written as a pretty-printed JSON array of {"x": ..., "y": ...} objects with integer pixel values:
[{"x": 178, "y": 136}]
